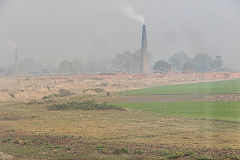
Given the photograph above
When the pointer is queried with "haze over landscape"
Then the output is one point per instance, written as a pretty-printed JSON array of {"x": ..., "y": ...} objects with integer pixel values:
[
  {"x": 119, "y": 79},
  {"x": 50, "y": 31}
]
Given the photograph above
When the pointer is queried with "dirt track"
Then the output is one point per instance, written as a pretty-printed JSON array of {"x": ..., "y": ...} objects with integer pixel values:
[{"x": 172, "y": 98}]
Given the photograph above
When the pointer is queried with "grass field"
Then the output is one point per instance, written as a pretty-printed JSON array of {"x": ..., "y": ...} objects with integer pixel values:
[
  {"x": 72, "y": 128},
  {"x": 218, "y": 87},
  {"x": 32, "y": 131},
  {"x": 225, "y": 111}
]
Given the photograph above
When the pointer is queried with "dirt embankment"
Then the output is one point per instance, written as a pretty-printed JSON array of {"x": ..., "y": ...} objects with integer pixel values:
[{"x": 34, "y": 88}]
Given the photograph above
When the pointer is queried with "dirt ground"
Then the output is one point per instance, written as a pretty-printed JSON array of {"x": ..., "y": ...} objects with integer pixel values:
[
  {"x": 4, "y": 156},
  {"x": 34, "y": 88}
]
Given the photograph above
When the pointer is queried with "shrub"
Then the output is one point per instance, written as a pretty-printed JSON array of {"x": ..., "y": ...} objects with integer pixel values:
[
  {"x": 165, "y": 152},
  {"x": 139, "y": 152},
  {"x": 120, "y": 151},
  {"x": 124, "y": 150},
  {"x": 98, "y": 90},
  {"x": 189, "y": 153},
  {"x": 63, "y": 93},
  {"x": 176, "y": 155},
  {"x": 103, "y": 84},
  {"x": 6, "y": 140},
  {"x": 12, "y": 95},
  {"x": 47, "y": 97},
  {"x": 203, "y": 157},
  {"x": 48, "y": 145},
  {"x": 57, "y": 146},
  {"x": 100, "y": 147},
  {"x": 235, "y": 157},
  {"x": 85, "y": 105},
  {"x": 17, "y": 141},
  {"x": 67, "y": 148}
]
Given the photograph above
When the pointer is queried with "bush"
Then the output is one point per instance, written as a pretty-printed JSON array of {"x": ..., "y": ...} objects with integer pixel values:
[
  {"x": 176, "y": 155},
  {"x": 48, "y": 145},
  {"x": 165, "y": 152},
  {"x": 139, "y": 152},
  {"x": 63, "y": 93},
  {"x": 100, "y": 147},
  {"x": 12, "y": 95},
  {"x": 103, "y": 84},
  {"x": 124, "y": 150},
  {"x": 120, "y": 151},
  {"x": 189, "y": 153},
  {"x": 203, "y": 157},
  {"x": 6, "y": 140},
  {"x": 47, "y": 97},
  {"x": 234, "y": 157},
  {"x": 85, "y": 105},
  {"x": 67, "y": 148},
  {"x": 98, "y": 90}
]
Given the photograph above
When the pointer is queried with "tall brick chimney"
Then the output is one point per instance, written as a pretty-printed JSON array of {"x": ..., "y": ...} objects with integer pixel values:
[{"x": 144, "y": 68}]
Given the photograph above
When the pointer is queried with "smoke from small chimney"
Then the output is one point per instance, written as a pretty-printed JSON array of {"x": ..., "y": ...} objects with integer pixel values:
[{"x": 13, "y": 45}]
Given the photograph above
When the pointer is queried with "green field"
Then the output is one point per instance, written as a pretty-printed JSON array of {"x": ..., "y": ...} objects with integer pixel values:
[
  {"x": 88, "y": 128},
  {"x": 225, "y": 111},
  {"x": 218, "y": 87}
]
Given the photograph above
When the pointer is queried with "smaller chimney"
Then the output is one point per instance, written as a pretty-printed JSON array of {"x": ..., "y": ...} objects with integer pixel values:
[{"x": 16, "y": 62}]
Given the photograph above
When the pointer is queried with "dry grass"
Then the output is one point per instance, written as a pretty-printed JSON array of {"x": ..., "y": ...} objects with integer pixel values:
[
  {"x": 125, "y": 126},
  {"x": 30, "y": 131}
]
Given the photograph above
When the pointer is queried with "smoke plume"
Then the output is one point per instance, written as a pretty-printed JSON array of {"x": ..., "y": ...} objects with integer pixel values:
[{"x": 131, "y": 13}]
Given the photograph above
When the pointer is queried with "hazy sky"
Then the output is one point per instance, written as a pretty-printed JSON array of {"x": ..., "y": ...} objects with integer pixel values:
[{"x": 52, "y": 30}]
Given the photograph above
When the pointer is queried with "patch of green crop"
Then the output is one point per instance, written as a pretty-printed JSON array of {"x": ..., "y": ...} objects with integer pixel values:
[
  {"x": 217, "y": 87},
  {"x": 224, "y": 111}
]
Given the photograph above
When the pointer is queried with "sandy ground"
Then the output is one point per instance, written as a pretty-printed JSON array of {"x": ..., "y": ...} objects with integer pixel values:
[
  {"x": 4, "y": 156},
  {"x": 35, "y": 88}
]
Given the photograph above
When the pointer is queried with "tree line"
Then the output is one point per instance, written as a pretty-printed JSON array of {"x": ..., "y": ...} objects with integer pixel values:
[
  {"x": 181, "y": 62},
  {"x": 128, "y": 62}
]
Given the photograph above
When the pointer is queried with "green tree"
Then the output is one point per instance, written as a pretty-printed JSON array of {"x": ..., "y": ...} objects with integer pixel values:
[
  {"x": 127, "y": 62},
  {"x": 70, "y": 66},
  {"x": 162, "y": 67},
  {"x": 178, "y": 60},
  {"x": 203, "y": 63},
  {"x": 218, "y": 62},
  {"x": 188, "y": 67},
  {"x": 29, "y": 65},
  {"x": 64, "y": 66}
]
